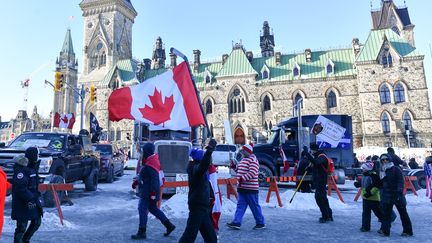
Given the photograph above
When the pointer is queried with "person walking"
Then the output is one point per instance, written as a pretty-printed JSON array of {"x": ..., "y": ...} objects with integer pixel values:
[
  {"x": 320, "y": 163},
  {"x": 199, "y": 196},
  {"x": 4, "y": 187},
  {"x": 26, "y": 205},
  {"x": 370, "y": 193},
  {"x": 248, "y": 189},
  {"x": 392, "y": 194},
  {"x": 149, "y": 192}
]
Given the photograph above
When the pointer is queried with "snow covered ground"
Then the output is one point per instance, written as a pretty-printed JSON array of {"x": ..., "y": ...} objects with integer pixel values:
[{"x": 110, "y": 215}]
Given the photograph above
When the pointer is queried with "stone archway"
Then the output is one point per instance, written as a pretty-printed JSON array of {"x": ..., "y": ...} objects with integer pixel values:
[{"x": 239, "y": 136}]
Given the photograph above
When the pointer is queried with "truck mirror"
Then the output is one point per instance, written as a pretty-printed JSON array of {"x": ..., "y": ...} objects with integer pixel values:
[{"x": 282, "y": 136}]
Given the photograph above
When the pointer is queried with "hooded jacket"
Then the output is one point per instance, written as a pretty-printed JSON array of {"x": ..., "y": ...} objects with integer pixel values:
[
  {"x": 199, "y": 191},
  {"x": 149, "y": 184}
]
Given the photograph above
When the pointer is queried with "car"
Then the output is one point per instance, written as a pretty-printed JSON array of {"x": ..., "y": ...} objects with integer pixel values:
[
  {"x": 223, "y": 154},
  {"x": 111, "y": 162},
  {"x": 64, "y": 158}
]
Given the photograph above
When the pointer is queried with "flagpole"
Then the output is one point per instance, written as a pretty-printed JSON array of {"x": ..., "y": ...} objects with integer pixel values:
[{"x": 179, "y": 54}]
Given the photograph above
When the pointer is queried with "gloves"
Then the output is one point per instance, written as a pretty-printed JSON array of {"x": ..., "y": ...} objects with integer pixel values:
[
  {"x": 232, "y": 165},
  {"x": 211, "y": 144},
  {"x": 357, "y": 184},
  {"x": 286, "y": 167},
  {"x": 134, "y": 184},
  {"x": 31, "y": 205},
  {"x": 153, "y": 195}
]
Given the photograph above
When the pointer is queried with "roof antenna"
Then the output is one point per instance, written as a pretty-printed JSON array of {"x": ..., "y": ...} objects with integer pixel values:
[{"x": 371, "y": 5}]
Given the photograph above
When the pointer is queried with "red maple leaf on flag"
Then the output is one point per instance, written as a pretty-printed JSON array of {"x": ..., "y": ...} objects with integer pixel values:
[
  {"x": 161, "y": 112},
  {"x": 65, "y": 119}
]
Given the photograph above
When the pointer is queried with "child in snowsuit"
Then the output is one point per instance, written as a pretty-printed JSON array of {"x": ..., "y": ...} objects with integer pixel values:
[{"x": 370, "y": 194}]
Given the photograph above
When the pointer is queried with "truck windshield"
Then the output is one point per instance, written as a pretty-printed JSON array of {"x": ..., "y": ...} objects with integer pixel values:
[
  {"x": 103, "y": 149},
  {"x": 274, "y": 136},
  {"x": 40, "y": 140}
]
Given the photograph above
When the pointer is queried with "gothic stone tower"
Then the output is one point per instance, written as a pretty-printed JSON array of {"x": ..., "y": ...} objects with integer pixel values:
[
  {"x": 107, "y": 39},
  {"x": 64, "y": 101}
]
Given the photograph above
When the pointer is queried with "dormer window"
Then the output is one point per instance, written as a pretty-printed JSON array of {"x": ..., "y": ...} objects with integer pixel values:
[
  {"x": 386, "y": 57},
  {"x": 330, "y": 67},
  {"x": 396, "y": 30},
  {"x": 296, "y": 70},
  {"x": 265, "y": 72},
  {"x": 308, "y": 55},
  {"x": 208, "y": 77}
]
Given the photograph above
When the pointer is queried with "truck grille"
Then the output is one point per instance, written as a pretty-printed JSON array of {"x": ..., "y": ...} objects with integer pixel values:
[
  {"x": 173, "y": 158},
  {"x": 7, "y": 165}
]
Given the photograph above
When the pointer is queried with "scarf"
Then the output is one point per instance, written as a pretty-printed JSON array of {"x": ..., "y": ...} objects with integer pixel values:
[{"x": 384, "y": 168}]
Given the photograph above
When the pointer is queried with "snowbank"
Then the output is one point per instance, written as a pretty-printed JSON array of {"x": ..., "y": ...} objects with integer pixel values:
[
  {"x": 176, "y": 206},
  {"x": 50, "y": 222},
  {"x": 303, "y": 202}
]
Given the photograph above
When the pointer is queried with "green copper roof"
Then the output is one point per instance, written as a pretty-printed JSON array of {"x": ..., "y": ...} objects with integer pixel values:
[
  {"x": 236, "y": 64},
  {"x": 125, "y": 70},
  {"x": 375, "y": 41},
  {"x": 67, "y": 44}
]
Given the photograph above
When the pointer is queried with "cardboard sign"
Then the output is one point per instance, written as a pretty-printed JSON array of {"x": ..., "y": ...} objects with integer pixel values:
[{"x": 328, "y": 131}]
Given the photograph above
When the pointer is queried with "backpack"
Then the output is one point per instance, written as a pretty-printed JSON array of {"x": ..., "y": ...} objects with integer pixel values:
[{"x": 330, "y": 165}]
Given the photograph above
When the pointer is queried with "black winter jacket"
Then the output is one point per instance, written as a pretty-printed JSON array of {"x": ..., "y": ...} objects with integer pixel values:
[
  {"x": 148, "y": 183},
  {"x": 392, "y": 185},
  {"x": 319, "y": 175},
  {"x": 199, "y": 190},
  {"x": 25, "y": 184},
  {"x": 396, "y": 160}
]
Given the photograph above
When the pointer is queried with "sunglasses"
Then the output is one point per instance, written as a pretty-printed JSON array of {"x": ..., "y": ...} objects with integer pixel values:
[{"x": 384, "y": 159}]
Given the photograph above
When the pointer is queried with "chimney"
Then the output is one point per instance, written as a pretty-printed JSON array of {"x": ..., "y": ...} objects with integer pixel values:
[
  {"x": 278, "y": 58},
  {"x": 224, "y": 58},
  {"x": 197, "y": 62},
  {"x": 308, "y": 55},
  {"x": 356, "y": 46},
  {"x": 173, "y": 58},
  {"x": 249, "y": 56},
  {"x": 147, "y": 64}
]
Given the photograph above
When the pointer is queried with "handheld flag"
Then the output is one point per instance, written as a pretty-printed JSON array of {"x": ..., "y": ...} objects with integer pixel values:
[
  {"x": 94, "y": 124},
  {"x": 284, "y": 159},
  {"x": 168, "y": 100}
]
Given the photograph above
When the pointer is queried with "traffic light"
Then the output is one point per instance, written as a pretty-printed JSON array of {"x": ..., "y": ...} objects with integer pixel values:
[
  {"x": 58, "y": 84},
  {"x": 92, "y": 94}
]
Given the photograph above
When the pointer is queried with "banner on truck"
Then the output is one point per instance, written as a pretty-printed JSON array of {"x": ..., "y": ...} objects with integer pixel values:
[{"x": 328, "y": 131}]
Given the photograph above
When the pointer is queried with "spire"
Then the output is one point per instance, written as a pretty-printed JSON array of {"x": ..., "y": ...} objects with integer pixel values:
[
  {"x": 267, "y": 41},
  {"x": 67, "y": 44}
]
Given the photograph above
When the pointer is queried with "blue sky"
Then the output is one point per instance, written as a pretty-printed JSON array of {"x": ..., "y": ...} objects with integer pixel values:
[{"x": 33, "y": 34}]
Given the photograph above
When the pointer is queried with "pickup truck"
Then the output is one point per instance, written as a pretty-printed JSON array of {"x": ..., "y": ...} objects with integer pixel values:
[{"x": 64, "y": 158}]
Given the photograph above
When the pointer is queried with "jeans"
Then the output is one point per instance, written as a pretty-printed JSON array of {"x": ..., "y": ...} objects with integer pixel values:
[
  {"x": 22, "y": 233},
  {"x": 368, "y": 207},
  {"x": 144, "y": 207},
  {"x": 322, "y": 202},
  {"x": 387, "y": 215},
  {"x": 199, "y": 220},
  {"x": 246, "y": 199}
]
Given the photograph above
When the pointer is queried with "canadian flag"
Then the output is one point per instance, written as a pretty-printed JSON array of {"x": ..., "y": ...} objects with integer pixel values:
[
  {"x": 64, "y": 120},
  {"x": 167, "y": 100},
  {"x": 284, "y": 159}
]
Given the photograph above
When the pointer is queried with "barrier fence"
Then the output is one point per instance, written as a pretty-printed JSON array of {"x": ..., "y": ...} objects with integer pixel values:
[{"x": 54, "y": 188}]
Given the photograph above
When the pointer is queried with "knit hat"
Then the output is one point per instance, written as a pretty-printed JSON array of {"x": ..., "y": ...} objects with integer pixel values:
[
  {"x": 375, "y": 158},
  {"x": 148, "y": 150},
  {"x": 21, "y": 160},
  {"x": 385, "y": 156},
  {"x": 32, "y": 154},
  {"x": 248, "y": 148},
  {"x": 197, "y": 154},
  {"x": 367, "y": 166}
]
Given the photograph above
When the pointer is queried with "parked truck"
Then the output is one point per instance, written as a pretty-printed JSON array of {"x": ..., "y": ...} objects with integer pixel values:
[{"x": 286, "y": 134}]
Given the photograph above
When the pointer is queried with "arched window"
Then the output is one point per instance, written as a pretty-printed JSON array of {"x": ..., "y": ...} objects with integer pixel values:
[
  {"x": 209, "y": 107},
  {"x": 384, "y": 94},
  {"x": 266, "y": 126},
  {"x": 385, "y": 122},
  {"x": 386, "y": 57},
  {"x": 399, "y": 93},
  {"x": 407, "y": 121},
  {"x": 265, "y": 75},
  {"x": 270, "y": 125},
  {"x": 208, "y": 79},
  {"x": 297, "y": 98},
  {"x": 331, "y": 100},
  {"x": 118, "y": 134},
  {"x": 266, "y": 103},
  {"x": 236, "y": 102},
  {"x": 296, "y": 71},
  {"x": 329, "y": 68},
  {"x": 112, "y": 135},
  {"x": 211, "y": 130}
]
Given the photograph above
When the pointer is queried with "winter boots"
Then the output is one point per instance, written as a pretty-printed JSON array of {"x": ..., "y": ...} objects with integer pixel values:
[
  {"x": 169, "y": 227},
  {"x": 140, "y": 235}
]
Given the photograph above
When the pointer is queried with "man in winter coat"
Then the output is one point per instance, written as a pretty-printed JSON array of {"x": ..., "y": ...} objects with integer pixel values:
[
  {"x": 370, "y": 194},
  {"x": 392, "y": 194},
  {"x": 413, "y": 164},
  {"x": 394, "y": 158},
  {"x": 199, "y": 196},
  {"x": 4, "y": 187},
  {"x": 319, "y": 178},
  {"x": 248, "y": 189},
  {"x": 25, "y": 195},
  {"x": 149, "y": 192}
]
